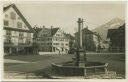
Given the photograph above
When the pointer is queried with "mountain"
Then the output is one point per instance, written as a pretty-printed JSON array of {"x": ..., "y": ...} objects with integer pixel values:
[{"x": 112, "y": 24}]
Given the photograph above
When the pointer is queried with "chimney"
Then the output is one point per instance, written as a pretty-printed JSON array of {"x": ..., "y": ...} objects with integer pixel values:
[
  {"x": 43, "y": 26},
  {"x": 51, "y": 30}
]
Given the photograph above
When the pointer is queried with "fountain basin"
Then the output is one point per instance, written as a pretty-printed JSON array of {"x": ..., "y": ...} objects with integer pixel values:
[{"x": 68, "y": 68}]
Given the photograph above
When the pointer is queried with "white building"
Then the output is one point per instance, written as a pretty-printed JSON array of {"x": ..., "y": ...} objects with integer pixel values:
[
  {"x": 18, "y": 34},
  {"x": 52, "y": 40}
]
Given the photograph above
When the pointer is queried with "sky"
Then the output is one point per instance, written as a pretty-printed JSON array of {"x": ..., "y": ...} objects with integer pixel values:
[{"x": 65, "y": 14}]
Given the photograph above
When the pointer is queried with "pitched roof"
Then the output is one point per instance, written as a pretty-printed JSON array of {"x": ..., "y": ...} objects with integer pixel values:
[
  {"x": 20, "y": 14},
  {"x": 87, "y": 31},
  {"x": 37, "y": 29},
  {"x": 7, "y": 7},
  {"x": 69, "y": 36},
  {"x": 116, "y": 31},
  {"x": 54, "y": 30}
]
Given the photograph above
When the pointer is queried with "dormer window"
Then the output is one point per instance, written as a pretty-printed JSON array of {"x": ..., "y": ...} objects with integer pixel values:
[
  {"x": 13, "y": 15},
  {"x": 19, "y": 25}
]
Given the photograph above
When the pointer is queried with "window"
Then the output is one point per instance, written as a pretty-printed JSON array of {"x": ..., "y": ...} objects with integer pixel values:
[
  {"x": 21, "y": 34},
  {"x": 66, "y": 44},
  {"x": 13, "y": 15},
  {"x": 19, "y": 18},
  {"x": 15, "y": 32},
  {"x": 49, "y": 43},
  {"x": 28, "y": 41},
  {"x": 25, "y": 26},
  {"x": 66, "y": 39},
  {"x": 45, "y": 34},
  {"x": 6, "y": 16},
  {"x": 8, "y": 32},
  {"x": 20, "y": 40},
  {"x": 38, "y": 39},
  {"x": 8, "y": 40},
  {"x": 62, "y": 44},
  {"x": 62, "y": 49},
  {"x": 41, "y": 35},
  {"x": 49, "y": 39},
  {"x": 42, "y": 43},
  {"x": 57, "y": 34},
  {"x": 19, "y": 24},
  {"x": 6, "y": 23},
  {"x": 21, "y": 37},
  {"x": 56, "y": 43},
  {"x": 28, "y": 34}
]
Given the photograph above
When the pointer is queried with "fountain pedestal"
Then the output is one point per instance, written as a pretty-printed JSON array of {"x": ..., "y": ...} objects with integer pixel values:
[
  {"x": 80, "y": 58},
  {"x": 80, "y": 65}
]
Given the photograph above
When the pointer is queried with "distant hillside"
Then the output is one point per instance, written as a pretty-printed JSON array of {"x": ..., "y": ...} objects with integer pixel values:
[{"x": 103, "y": 29}]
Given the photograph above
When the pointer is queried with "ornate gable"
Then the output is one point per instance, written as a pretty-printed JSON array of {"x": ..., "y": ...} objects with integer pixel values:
[{"x": 13, "y": 18}]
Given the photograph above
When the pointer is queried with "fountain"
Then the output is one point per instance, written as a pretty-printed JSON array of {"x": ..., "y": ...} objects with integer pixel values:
[{"x": 79, "y": 66}]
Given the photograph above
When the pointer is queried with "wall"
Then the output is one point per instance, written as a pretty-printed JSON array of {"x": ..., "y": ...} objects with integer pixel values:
[{"x": 13, "y": 24}]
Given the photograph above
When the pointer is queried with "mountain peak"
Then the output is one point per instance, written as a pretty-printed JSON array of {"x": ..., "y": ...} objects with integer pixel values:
[
  {"x": 112, "y": 24},
  {"x": 116, "y": 19}
]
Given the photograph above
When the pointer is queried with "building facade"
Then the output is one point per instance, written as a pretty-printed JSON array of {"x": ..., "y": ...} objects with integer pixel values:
[
  {"x": 117, "y": 39},
  {"x": 52, "y": 40},
  {"x": 18, "y": 34},
  {"x": 90, "y": 40},
  {"x": 71, "y": 43}
]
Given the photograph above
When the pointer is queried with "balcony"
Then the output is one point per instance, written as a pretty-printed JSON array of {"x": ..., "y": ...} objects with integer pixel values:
[
  {"x": 8, "y": 43},
  {"x": 14, "y": 44},
  {"x": 25, "y": 44}
]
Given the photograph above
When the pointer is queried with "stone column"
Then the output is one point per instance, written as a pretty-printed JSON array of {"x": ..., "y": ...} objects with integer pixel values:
[{"x": 80, "y": 24}]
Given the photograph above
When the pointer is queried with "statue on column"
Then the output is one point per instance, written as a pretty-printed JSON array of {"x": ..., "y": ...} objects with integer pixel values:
[{"x": 80, "y": 53}]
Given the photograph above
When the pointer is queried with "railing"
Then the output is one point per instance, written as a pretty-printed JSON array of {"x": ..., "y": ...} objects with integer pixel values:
[
  {"x": 24, "y": 43},
  {"x": 8, "y": 43},
  {"x": 75, "y": 70},
  {"x": 11, "y": 43}
]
